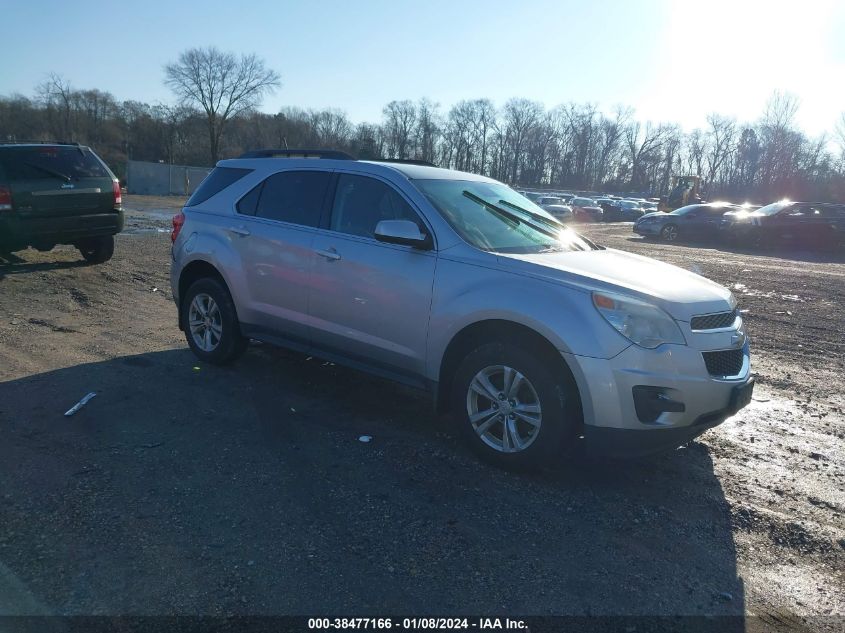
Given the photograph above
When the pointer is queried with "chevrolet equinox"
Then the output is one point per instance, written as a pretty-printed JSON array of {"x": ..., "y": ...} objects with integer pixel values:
[{"x": 534, "y": 337}]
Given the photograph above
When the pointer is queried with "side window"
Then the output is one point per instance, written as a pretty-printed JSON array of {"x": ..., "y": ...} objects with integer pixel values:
[
  {"x": 360, "y": 203},
  {"x": 293, "y": 196},
  {"x": 249, "y": 203}
]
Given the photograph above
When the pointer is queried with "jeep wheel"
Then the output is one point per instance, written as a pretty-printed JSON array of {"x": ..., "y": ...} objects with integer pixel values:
[
  {"x": 97, "y": 250},
  {"x": 514, "y": 410},
  {"x": 211, "y": 323}
]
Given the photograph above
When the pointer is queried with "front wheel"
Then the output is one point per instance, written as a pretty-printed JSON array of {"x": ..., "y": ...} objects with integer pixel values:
[
  {"x": 97, "y": 250},
  {"x": 669, "y": 233},
  {"x": 211, "y": 323},
  {"x": 514, "y": 410}
]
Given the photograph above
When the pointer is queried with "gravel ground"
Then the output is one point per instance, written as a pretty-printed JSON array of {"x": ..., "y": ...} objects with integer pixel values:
[{"x": 188, "y": 489}]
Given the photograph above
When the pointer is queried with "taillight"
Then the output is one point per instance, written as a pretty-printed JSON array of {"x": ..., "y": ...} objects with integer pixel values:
[
  {"x": 178, "y": 221},
  {"x": 118, "y": 197},
  {"x": 5, "y": 198}
]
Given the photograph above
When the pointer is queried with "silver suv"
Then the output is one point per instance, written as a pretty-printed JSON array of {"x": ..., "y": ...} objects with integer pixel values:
[{"x": 534, "y": 337}]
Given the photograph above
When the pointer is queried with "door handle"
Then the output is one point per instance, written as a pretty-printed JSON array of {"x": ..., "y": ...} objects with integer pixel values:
[
  {"x": 239, "y": 230},
  {"x": 332, "y": 255}
]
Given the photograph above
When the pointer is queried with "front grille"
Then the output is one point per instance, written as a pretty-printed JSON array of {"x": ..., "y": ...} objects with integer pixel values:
[
  {"x": 713, "y": 321},
  {"x": 724, "y": 363}
]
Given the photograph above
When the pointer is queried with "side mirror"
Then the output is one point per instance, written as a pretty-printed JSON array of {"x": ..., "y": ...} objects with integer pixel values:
[{"x": 402, "y": 232}]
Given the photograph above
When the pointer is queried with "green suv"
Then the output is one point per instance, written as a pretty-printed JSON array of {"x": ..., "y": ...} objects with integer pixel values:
[{"x": 58, "y": 193}]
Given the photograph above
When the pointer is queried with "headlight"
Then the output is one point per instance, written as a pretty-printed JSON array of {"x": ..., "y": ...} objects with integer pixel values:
[{"x": 641, "y": 323}]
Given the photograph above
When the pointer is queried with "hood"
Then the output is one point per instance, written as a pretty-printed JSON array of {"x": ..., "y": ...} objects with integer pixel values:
[
  {"x": 681, "y": 293},
  {"x": 654, "y": 214}
]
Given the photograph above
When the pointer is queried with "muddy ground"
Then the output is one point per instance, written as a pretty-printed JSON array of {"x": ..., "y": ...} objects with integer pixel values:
[{"x": 187, "y": 489}]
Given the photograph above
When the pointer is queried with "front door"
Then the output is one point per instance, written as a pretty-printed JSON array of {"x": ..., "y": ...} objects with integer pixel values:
[{"x": 370, "y": 301}]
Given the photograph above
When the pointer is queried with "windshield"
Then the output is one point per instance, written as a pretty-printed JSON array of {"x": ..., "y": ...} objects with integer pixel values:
[
  {"x": 771, "y": 209},
  {"x": 628, "y": 204},
  {"x": 494, "y": 217}
]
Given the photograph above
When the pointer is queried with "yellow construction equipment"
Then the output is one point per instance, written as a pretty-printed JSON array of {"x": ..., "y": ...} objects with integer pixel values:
[{"x": 684, "y": 191}]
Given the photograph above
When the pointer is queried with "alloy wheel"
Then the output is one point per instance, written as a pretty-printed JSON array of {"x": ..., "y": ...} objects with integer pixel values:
[
  {"x": 205, "y": 322},
  {"x": 504, "y": 409}
]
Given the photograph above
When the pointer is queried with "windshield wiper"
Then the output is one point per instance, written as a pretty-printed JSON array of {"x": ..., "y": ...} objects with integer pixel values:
[
  {"x": 509, "y": 215},
  {"x": 47, "y": 170},
  {"x": 553, "y": 222},
  {"x": 535, "y": 216}
]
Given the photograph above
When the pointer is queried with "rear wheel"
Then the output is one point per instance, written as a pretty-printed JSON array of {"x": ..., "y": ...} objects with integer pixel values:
[
  {"x": 669, "y": 233},
  {"x": 514, "y": 410},
  {"x": 211, "y": 323},
  {"x": 97, "y": 250}
]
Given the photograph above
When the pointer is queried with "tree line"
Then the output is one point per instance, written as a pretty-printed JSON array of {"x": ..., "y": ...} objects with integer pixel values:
[{"x": 521, "y": 142}]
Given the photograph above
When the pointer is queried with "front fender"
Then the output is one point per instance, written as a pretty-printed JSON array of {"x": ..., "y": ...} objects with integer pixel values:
[{"x": 465, "y": 294}]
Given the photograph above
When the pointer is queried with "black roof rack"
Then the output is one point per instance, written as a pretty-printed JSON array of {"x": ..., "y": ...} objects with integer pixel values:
[
  {"x": 297, "y": 153},
  {"x": 405, "y": 161},
  {"x": 25, "y": 142}
]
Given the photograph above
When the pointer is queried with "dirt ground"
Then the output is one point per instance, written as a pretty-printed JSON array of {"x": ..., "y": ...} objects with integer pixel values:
[{"x": 187, "y": 489}]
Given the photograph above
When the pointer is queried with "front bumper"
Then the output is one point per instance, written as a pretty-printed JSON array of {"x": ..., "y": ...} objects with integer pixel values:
[
  {"x": 612, "y": 423},
  {"x": 649, "y": 229}
]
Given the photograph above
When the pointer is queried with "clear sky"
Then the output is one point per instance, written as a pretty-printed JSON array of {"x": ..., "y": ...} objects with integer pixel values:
[{"x": 672, "y": 60}]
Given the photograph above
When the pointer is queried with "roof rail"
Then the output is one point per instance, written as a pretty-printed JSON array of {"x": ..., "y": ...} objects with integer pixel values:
[
  {"x": 26, "y": 142},
  {"x": 297, "y": 153},
  {"x": 405, "y": 161}
]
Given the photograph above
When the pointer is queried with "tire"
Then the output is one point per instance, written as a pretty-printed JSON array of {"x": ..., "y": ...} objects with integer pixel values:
[
  {"x": 97, "y": 250},
  {"x": 554, "y": 391},
  {"x": 669, "y": 233},
  {"x": 218, "y": 345}
]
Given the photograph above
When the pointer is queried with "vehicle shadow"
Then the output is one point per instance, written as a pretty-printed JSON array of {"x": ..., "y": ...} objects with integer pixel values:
[
  {"x": 12, "y": 264},
  {"x": 285, "y": 484},
  {"x": 826, "y": 255}
]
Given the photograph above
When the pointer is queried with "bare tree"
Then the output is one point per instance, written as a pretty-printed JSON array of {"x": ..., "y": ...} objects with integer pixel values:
[
  {"x": 221, "y": 84},
  {"x": 520, "y": 117},
  {"x": 401, "y": 116},
  {"x": 721, "y": 144},
  {"x": 428, "y": 129},
  {"x": 57, "y": 95},
  {"x": 332, "y": 127},
  {"x": 839, "y": 133},
  {"x": 642, "y": 142}
]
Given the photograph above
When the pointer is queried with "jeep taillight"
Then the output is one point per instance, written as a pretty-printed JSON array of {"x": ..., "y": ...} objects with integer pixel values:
[
  {"x": 178, "y": 221},
  {"x": 5, "y": 198},
  {"x": 118, "y": 197}
]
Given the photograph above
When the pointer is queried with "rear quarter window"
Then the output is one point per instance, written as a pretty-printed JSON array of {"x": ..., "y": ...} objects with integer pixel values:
[{"x": 215, "y": 182}]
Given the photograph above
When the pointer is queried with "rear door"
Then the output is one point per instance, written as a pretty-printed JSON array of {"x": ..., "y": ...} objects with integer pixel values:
[
  {"x": 273, "y": 235},
  {"x": 709, "y": 220},
  {"x": 57, "y": 181},
  {"x": 370, "y": 301}
]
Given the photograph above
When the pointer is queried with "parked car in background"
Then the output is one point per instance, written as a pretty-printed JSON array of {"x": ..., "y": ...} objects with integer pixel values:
[
  {"x": 533, "y": 336},
  {"x": 561, "y": 212},
  {"x": 548, "y": 200},
  {"x": 630, "y": 210},
  {"x": 586, "y": 210},
  {"x": 693, "y": 222},
  {"x": 611, "y": 212},
  {"x": 58, "y": 193},
  {"x": 810, "y": 224},
  {"x": 648, "y": 207}
]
